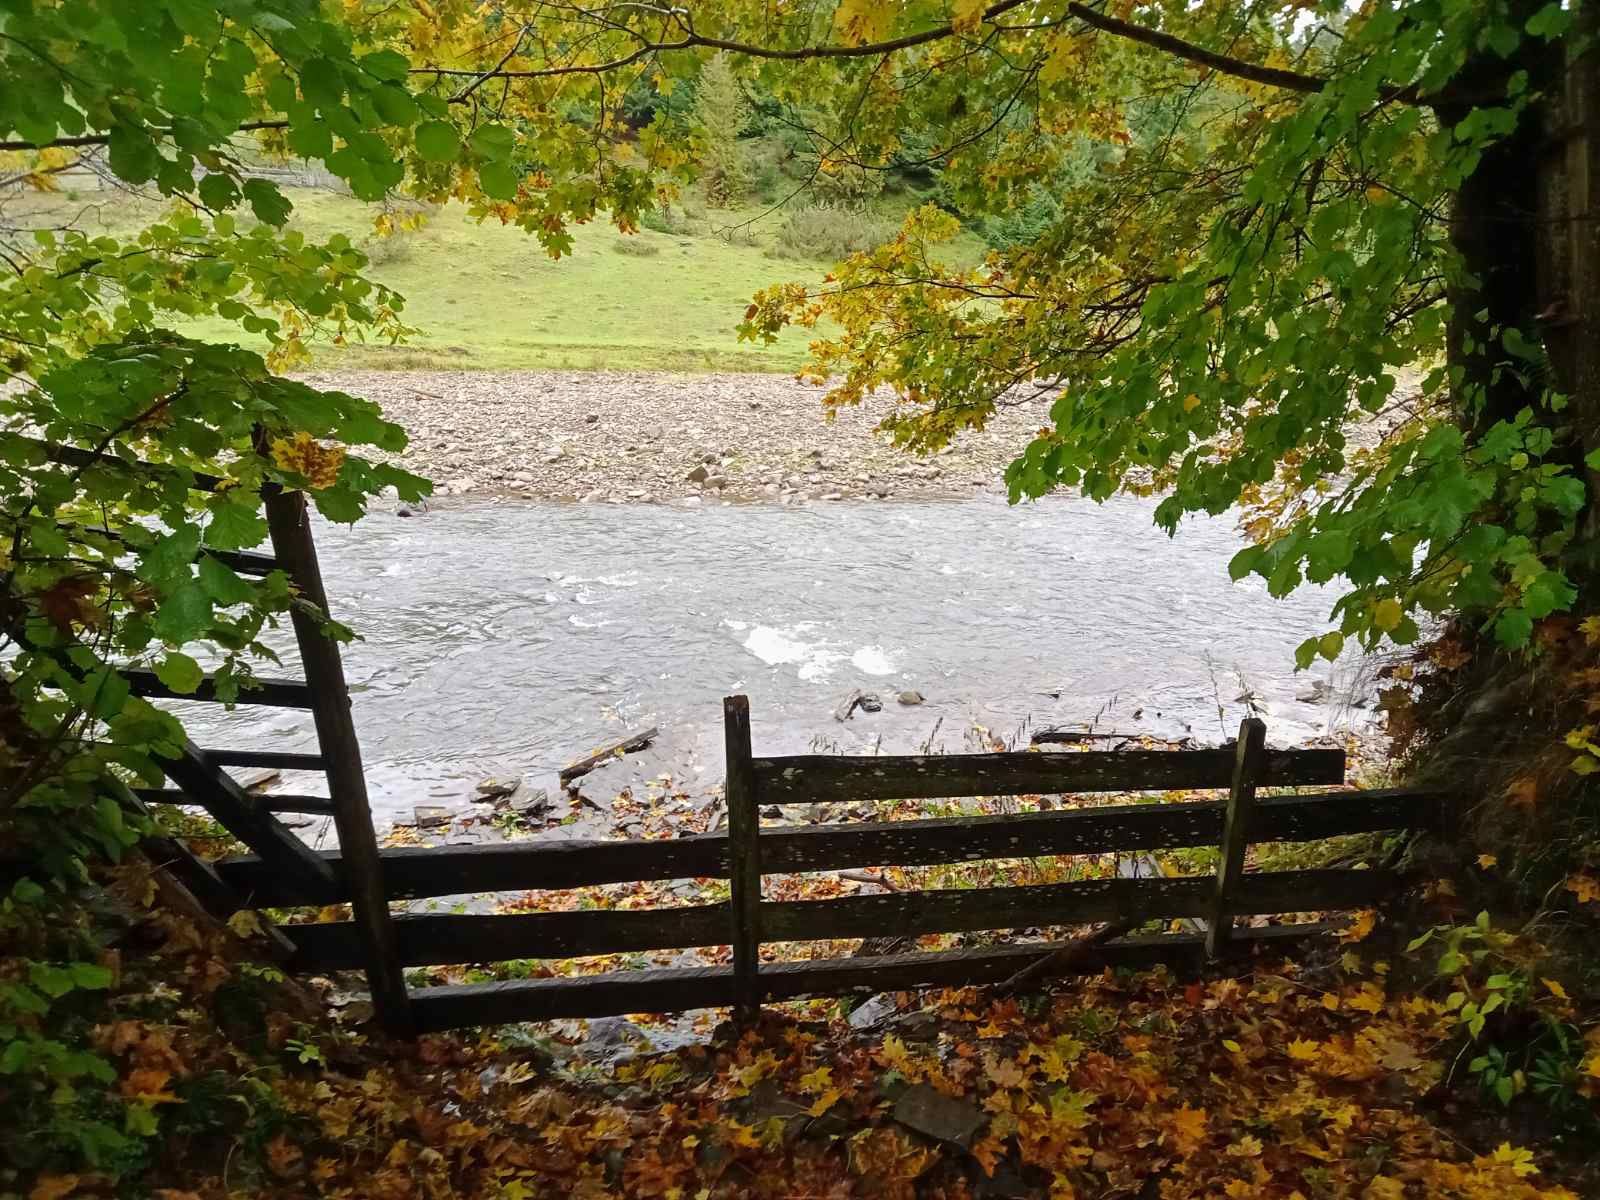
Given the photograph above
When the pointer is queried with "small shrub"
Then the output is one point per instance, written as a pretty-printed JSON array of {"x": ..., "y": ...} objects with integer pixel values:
[
  {"x": 670, "y": 219},
  {"x": 637, "y": 247},
  {"x": 821, "y": 231}
]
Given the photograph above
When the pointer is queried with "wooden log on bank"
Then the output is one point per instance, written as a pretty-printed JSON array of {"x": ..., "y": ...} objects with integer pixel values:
[{"x": 634, "y": 741}]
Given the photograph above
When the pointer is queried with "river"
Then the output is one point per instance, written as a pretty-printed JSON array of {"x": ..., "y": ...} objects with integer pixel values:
[{"x": 503, "y": 638}]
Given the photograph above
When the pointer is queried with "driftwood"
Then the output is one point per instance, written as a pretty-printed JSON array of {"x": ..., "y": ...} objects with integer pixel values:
[
  {"x": 1063, "y": 960},
  {"x": 634, "y": 741}
]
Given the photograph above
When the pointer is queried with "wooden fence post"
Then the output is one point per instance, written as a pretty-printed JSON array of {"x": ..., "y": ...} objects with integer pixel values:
[
  {"x": 744, "y": 856},
  {"x": 1247, "y": 763},
  {"x": 288, "y": 521}
]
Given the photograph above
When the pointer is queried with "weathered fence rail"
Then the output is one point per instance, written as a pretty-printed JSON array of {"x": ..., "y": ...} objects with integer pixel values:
[{"x": 746, "y": 853}]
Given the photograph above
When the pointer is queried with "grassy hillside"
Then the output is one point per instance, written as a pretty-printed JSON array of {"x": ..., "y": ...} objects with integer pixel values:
[{"x": 486, "y": 296}]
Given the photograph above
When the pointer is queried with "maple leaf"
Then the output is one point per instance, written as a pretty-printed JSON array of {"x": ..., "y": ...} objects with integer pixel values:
[
  {"x": 1302, "y": 1050},
  {"x": 1360, "y": 927},
  {"x": 1585, "y": 887},
  {"x": 824, "y": 1102},
  {"x": 815, "y": 1082},
  {"x": 53, "y": 1187},
  {"x": 1368, "y": 998},
  {"x": 70, "y": 602},
  {"x": 304, "y": 455},
  {"x": 148, "y": 1085},
  {"x": 1506, "y": 1155},
  {"x": 1246, "y": 1147},
  {"x": 1189, "y": 1128},
  {"x": 1485, "y": 861},
  {"x": 1522, "y": 792}
]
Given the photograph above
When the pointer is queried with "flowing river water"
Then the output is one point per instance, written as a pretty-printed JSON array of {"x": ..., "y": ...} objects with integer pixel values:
[{"x": 505, "y": 638}]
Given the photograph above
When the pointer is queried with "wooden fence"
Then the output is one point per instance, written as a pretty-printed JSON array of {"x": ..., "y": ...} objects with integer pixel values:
[{"x": 747, "y": 852}]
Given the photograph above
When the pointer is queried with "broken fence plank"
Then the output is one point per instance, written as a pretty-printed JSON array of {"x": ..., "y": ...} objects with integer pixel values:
[
  {"x": 275, "y": 802},
  {"x": 634, "y": 741},
  {"x": 285, "y": 761}
]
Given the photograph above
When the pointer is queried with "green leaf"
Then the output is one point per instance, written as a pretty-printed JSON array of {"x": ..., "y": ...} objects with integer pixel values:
[
  {"x": 492, "y": 141},
  {"x": 266, "y": 201},
  {"x": 224, "y": 585},
  {"x": 437, "y": 141},
  {"x": 388, "y": 65},
  {"x": 90, "y": 976},
  {"x": 185, "y": 615},
  {"x": 235, "y": 526},
  {"x": 1330, "y": 645},
  {"x": 498, "y": 181},
  {"x": 180, "y": 672}
]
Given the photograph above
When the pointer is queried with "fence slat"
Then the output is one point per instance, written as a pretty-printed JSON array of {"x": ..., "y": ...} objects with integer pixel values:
[
  {"x": 446, "y": 939},
  {"x": 1249, "y": 757},
  {"x": 744, "y": 855},
  {"x": 288, "y": 761},
  {"x": 270, "y": 693},
  {"x": 289, "y": 525},
  {"x": 959, "y": 910},
  {"x": 832, "y": 778},
  {"x": 412, "y": 872},
  {"x": 677, "y": 989},
  {"x": 274, "y": 803}
]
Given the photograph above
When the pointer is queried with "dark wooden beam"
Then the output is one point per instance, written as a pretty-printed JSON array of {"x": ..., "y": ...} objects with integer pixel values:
[
  {"x": 417, "y": 872},
  {"x": 289, "y": 524},
  {"x": 304, "y": 871},
  {"x": 677, "y": 989},
  {"x": 430, "y": 941},
  {"x": 275, "y": 802},
  {"x": 272, "y": 693},
  {"x": 832, "y": 778},
  {"x": 284, "y": 760},
  {"x": 958, "y": 910}
]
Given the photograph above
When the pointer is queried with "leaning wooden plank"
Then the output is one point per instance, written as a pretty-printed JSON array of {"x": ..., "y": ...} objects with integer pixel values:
[
  {"x": 289, "y": 526},
  {"x": 433, "y": 941},
  {"x": 272, "y": 693},
  {"x": 242, "y": 815},
  {"x": 413, "y": 872},
  {"x": 284, "y": 760},
  {"x": 1237, "y": 831},
  {"x": 954, "y": 911},
  {"x": 272, "y": 802},
  {"x": 421, "y": 872},
  {"x": 677, "y": 989},
  {"x": 830, "y": 778},
  {"x": 744, "y": 857},
  {"x": 634, "y": 741}
]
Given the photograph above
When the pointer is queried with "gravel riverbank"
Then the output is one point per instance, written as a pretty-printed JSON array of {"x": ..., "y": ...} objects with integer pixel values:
[{"x": 641, "y": 438}]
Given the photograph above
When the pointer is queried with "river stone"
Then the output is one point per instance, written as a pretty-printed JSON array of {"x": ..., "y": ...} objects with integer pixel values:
[
  {"x": 698, "y": 475},
  {"x": 717, "y": 481},
  {"x": 492, "y": 789},
  {"x": 910, "y": 697},
  {"x": 933, "y": 1114},
  {"x": 873, "y": 1011},
  {"x": 430, "y": 816}
]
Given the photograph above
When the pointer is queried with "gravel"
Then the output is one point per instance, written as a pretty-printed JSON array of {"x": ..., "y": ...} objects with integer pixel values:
[{"x": 653, "y": 438}]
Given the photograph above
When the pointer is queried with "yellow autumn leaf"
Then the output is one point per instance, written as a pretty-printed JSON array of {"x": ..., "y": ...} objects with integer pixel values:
[
  {"x": 824, "y": 1102},
  {"x": 1590, "y": 628},
  {"x": 1304, "y": 1050},
  {"x": 1368, "y": 998},
  {"x": 1387, "y": 614},
  {"x": 1246, "y": 1147},
  {"x": 1189, "y": 1127},
  {"x": 245, "y": 924},
  {"x": 1231, "y": 1045},
  {"x": 1360, "y": 927},
  {"x": 1487, "y": 860},
  {"x": 304, "y": 455},
  {"x": 1520, "y": 1161},
  {"x": 967, "y": 15},
  {"x": 1585, "y": 887},
  {"x": 814, "y": 1083},
  {"x": 1556, "y": 990},
  {"x": 1191, "y": 402}
]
